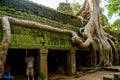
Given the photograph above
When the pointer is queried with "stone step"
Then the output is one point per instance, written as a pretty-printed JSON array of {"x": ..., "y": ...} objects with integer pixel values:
[
  {"x": 90, "y": 68},
  {"x": 112, "y": 68},
  {"x": 117, "y": 76},
  {"x": 108, "y": 78}
]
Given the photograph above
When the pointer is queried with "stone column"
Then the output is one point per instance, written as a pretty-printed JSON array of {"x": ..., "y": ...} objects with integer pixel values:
[
  {"x": 43, "y": 62},
  {"x": 71, "y": 62}
]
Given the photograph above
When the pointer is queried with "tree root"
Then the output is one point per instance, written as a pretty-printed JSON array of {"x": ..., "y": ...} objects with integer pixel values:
[{"x": 94, "y": 30}]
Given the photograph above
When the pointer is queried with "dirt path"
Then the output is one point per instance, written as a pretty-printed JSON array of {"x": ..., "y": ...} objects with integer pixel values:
[{"x": 91, "y": 76}]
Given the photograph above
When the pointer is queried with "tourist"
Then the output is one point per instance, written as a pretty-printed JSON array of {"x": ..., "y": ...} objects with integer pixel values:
[
  {"x": 6, "y": 74},
  {"x": 30, "y": 66}
]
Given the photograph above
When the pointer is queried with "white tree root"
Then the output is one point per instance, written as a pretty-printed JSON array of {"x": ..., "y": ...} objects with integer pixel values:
[
  {"x": 75, "y": 39},
  {"x": 94, "y": 30},
  {"x": 5, "y": 41}
]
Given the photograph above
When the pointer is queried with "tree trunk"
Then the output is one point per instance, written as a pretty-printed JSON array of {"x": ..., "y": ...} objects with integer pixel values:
[
  {"x": 66, "y": 1},
  {"x": 5, "y": 42},
  {"x": 94, "y": 31}
]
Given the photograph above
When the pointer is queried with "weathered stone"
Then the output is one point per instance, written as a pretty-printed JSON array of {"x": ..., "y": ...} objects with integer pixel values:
[
  {"x": 71, "y": 69},
  {"x": 91, "y": 71},
  {"x": 117, "y": 76},
  {"x": 78, "y": 74},
  {"x": 112, "y": 68},
  {"x": 108, "y": 78},
  {"x": 43, "y": 62}
]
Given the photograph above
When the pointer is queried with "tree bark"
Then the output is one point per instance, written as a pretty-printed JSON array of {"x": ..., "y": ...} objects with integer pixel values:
[
  {"x": 93, "y": 31},
  {"x": 66, "y": 1},
  {"x": 5, "y": 42}
]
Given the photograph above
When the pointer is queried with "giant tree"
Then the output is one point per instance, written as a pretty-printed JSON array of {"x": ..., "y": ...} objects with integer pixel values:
[{"x": 93, "y": 30}]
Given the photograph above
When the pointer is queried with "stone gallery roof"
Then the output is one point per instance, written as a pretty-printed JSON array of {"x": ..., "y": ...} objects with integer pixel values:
[{"x": 23, "y": 37}]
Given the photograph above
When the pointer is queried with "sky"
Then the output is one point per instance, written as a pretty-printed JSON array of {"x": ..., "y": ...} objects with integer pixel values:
[{"x": 54, "y": 4}]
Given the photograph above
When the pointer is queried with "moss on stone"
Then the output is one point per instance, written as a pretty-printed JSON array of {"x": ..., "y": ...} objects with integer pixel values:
[
  {"x": 31, "y": 37},
  {"x": 73, "y": 70},
  {"x": 65, "y": 8},
  {"x": 26, "y": 37},
  {"x": 96, "y": 45}
]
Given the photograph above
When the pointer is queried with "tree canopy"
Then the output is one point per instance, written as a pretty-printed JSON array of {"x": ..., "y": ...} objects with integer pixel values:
[
  {"x": 116, "y": 25},
  {"x": 113, "y": 7},
  {"x": 75, "y": 6}
]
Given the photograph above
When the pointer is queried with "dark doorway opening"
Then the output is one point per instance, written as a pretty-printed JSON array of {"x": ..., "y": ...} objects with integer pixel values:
[
  {"x": 57, "y": 61},
  {"x": 82, "y": 58},
  {"x": 16, "y": 59}
]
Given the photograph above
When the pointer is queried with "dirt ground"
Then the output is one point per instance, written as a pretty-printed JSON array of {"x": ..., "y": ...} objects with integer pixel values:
[{"x": 98, "y": 75}]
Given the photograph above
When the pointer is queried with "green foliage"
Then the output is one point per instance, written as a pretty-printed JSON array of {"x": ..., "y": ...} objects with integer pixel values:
[
  {"x": 104, "y": 20},
  {"x": 40, "y": 76},
  {"x": 40, "y": 10},
  {"x": 65, "y": 8},
  {"x": 116, "y": 24},
  {"x": 113, "y": 7},
  {"x": 76, "y": 7}
]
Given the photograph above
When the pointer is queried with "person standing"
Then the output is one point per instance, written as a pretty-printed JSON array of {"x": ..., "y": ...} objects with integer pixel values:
[{"x": 30, "y": 66}]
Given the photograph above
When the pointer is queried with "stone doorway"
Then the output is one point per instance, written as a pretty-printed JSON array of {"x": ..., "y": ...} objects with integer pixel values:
[
  {"x": 57, "y": 61},
  {"x": 16, "y": 59},
  {"x": 82, "y": 58}
]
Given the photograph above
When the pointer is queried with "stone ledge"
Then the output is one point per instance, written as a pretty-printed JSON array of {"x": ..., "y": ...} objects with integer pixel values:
[{"x": 108, "y": 78}]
